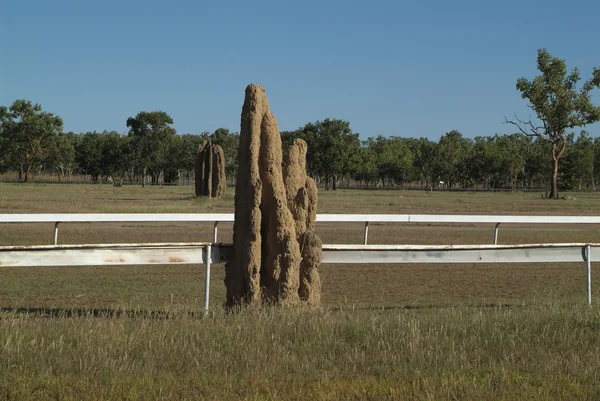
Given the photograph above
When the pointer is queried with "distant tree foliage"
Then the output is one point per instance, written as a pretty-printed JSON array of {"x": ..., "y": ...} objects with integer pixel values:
[
  {"x": 332, "y": 149},
  {"x": 336, "y": 157}
]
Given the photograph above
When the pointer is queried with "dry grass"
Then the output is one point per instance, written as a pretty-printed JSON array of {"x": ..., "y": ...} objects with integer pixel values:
[
  {"x": 540, "y": 352},
  {"x": 364, "y": 285},
  {"x": 386, "y": 332}
]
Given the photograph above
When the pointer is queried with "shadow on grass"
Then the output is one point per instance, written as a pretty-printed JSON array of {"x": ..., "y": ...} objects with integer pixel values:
[
  {"x": 422, "y": 307},
  {"x": 94, "y": 312},
  {"x": 163, "y": 314}
]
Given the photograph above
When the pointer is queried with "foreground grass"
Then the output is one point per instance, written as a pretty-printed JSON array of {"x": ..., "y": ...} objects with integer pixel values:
[{"x": 548, "y": 351}]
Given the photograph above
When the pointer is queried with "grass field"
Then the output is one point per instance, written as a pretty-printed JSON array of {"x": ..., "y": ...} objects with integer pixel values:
[{"x": 500, "y": 332}]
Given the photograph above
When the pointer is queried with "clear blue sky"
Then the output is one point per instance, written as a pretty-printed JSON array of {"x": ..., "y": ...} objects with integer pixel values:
[{"x": 404, "y": 68}]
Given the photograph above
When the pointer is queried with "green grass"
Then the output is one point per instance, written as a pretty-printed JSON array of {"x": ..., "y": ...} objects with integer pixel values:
[{"x": 415, "y": 332}]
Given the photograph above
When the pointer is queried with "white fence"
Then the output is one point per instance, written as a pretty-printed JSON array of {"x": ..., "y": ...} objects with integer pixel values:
[
  {"x": 216, "y": 218},
  {"x": 213, "y": 252}
]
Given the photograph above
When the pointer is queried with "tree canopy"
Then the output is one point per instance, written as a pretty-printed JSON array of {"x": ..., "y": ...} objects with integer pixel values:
[
  {"x": 150, "y": 134},
  {"x": 558, "y": 105},
  {"x": 26, "y": 131}
]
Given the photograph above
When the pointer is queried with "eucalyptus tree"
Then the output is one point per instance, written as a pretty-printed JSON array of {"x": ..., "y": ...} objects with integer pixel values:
[
  {"x": 150, "y": 134},
  {"x": 26, "y": 131},
  {"x": 424, "y": 153},
  {"x": 331, "y": 146},
  {"x": 451, "y": 158},
  {"x": 558, "y": 104},
  {"x": 60, "y": 155},
  {"x": 393, "y": 159}
]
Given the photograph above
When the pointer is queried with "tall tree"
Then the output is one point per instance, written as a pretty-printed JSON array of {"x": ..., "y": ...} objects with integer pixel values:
[
  {"x": 364, "y": 166},
  {"x": 558, "y": 105},
  {"x": 60, "y": 156},
  {"x": 88, "y": 154},
  {"x": 451, "y": 157},
  {"x": 480, "y": 162},
  {"x": 393, "y": 157},
  {"x": 331, "y": 145},
  {"x": 26, "y": 131},
  {"x": 424, "y": 152},
  {"x": 150, "y": 134},
  {"x": 114, "y": 154},
  {"x": 510, "y": 152},
  {"x": 102, "y": 155}
]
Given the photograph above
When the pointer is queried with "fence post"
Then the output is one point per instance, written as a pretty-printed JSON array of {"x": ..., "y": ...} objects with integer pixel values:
[
  {"x": 589, "y": 272},
  {"x": 496, "y": 233},
  {"x": 215, "y": 232},
  {"x": 207, "y": 279},
  {"x": 366, "y": 231},
  {"x": 56, "y": 233}
]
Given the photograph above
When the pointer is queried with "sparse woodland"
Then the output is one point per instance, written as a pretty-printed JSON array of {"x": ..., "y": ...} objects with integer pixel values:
[{"x": 552, "y": 149}]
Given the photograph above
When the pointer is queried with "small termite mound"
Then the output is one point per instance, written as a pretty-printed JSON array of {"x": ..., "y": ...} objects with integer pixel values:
[
  {"x": 267, "y": 262},
  {"x": 210, "y": 171},
  {"x": 302, "y": 201}
]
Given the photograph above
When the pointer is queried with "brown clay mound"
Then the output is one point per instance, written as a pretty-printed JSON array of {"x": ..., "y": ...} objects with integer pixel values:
[
  {"x": 219, "y": 179},
  {"x": 267, "y": 259},
  {"x": 302, "y": 202},
  {"x": 210, "y": 171}
]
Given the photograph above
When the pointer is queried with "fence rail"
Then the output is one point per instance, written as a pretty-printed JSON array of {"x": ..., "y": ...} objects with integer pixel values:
[
  {"x": 213, "y": 252},
  {"x": 217, "y": 218}
]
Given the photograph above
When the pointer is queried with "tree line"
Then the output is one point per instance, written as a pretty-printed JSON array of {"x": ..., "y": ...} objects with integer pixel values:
[
  {"x": 514, "y": 161},
  {"x": 32, "y": 142}
]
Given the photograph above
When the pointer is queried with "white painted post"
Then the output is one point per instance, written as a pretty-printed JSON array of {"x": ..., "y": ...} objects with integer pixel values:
[
  {"x": 366, "y": 231},
  {"x": 215, "y": 232},
  {"x": 589, "y": 273},
  {"x": 56, "y": 233},
  {"x": 496, "y": 233},
  {"x": 207, "y": 280}
]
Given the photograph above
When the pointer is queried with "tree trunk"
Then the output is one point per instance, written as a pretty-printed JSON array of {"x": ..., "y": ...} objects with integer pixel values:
[
  {"x": 555, "y": 157},
  {"x": 27, "y": 168},
  {"x": 554, "y": 182}
]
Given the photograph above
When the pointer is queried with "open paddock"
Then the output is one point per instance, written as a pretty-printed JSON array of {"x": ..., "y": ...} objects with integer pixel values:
[{"x": 390, "y": 331}]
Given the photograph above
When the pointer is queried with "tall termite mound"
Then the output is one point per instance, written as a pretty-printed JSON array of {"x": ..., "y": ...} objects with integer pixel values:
[
  {"x": 268, "y": 263},
  {"x": 210, "y": 171}
]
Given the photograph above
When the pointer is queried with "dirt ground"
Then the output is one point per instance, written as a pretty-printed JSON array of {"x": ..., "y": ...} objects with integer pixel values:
[{"x": 360, "y": 285}]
